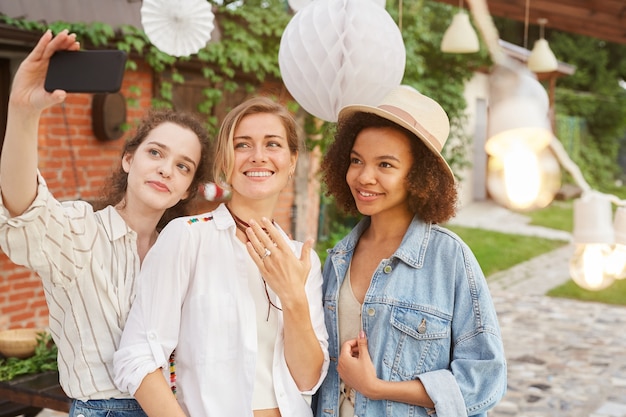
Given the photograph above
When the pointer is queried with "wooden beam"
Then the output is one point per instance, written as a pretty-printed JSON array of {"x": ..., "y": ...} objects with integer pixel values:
[{"x": 602, "y": 19}]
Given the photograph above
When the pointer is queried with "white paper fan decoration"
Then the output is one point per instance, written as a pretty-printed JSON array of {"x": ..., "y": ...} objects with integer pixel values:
[{"x": 177, "y": 27}]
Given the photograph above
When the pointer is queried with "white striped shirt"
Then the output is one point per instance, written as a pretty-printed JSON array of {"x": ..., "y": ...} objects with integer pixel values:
[{"x": 88, "y": 263}]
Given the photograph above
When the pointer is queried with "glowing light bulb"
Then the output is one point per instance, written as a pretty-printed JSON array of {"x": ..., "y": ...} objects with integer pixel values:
[
  {"x": 616, "y": 262},
  {"x": 588, "y": 266},
  {"x": 522, "y": 178},
  {"x": 593, "y": 236}
]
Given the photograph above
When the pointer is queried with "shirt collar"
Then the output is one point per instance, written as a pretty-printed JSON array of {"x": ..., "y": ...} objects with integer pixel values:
[{"x": 113, "y": 224}]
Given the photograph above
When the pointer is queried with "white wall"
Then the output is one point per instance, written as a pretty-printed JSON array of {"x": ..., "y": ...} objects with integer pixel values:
[{"x": 473, "y": 186}]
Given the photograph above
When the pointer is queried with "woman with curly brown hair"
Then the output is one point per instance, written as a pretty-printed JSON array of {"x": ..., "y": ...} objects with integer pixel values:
[
  {"x": 89, "y": 258},
  {"x": 412, "y": 327}
]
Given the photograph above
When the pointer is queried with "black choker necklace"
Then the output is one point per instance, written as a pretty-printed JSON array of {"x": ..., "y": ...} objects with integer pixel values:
[{"x": 241, "y": 225}]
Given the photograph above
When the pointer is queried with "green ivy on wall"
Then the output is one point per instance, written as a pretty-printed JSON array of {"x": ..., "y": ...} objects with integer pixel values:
[{"x": 247, "y": 53}]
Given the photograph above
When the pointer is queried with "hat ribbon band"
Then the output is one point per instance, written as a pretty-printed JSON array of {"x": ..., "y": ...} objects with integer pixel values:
[{"x": 405, "y": 116}]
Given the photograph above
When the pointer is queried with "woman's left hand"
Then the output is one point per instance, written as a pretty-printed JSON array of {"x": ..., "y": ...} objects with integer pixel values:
[
  {"x": 355, "y": 366},
  {"x": 282, "y": 270}
]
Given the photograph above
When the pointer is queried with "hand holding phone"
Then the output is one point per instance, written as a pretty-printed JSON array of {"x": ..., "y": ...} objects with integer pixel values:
[{"x": 96, "y": 71}]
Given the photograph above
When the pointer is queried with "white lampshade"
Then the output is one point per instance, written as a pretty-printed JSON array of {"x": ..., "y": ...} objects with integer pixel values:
[
  {"x": 619, "y": 226},
  {"x": 593, "y": 236},
  {"x": 519, "y": 112},
  {"x": 339, "y": 52},
  {"x": 593, "y": 220},
  {"x": 460, "y": 37},
  {"x": 616, "y": 262},
  {"x": 523, "y": 173},
  {"x": 542, "y": 58},
  {"x": 515, "y": 120}
]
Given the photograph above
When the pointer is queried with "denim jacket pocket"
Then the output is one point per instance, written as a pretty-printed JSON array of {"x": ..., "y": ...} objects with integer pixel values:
[{"x": 422, "y": 342}]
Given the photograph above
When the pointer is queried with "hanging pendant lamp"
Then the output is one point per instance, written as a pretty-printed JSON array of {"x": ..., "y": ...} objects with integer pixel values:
[
  {"x": 542, "y": 58},
  {"x": 460, "y": 37}
]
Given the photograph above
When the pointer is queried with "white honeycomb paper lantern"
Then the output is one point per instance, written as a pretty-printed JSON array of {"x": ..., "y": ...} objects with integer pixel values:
[{"x": 335, "y": 53}]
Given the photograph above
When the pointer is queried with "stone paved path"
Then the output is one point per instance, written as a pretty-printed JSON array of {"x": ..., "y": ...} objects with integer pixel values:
[{"x": 566, "y": 358}]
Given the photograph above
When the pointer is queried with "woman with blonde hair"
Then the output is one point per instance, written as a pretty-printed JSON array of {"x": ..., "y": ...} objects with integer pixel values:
[{"x": 231, "y": 292}]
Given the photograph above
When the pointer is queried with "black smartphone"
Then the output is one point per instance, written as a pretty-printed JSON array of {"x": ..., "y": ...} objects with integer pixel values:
[{"x": 96, "y": 71}]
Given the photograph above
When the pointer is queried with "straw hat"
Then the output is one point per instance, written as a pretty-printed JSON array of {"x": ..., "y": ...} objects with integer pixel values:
[{"x": 413, "y": 111}]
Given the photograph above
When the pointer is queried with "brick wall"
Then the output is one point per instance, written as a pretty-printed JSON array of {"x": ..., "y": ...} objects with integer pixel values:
[{"x": 75, "y": 165}]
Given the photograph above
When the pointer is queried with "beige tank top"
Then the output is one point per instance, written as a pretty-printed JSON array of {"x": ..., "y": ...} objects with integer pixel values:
[{"x": 349, "y": 314}]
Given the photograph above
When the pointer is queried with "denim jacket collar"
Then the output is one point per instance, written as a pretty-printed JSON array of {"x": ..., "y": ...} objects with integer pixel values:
[{"x": 411, "y": 251}]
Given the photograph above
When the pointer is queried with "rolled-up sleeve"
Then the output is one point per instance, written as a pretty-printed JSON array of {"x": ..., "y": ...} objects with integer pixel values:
[
  {"x": 152, "y": 328},
  {"x": 476, "y": 378},
  {"x": 476, "y": 381}
]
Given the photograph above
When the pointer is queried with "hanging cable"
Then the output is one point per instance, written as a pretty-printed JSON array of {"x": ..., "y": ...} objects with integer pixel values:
[{"x": 526, "y": 16}]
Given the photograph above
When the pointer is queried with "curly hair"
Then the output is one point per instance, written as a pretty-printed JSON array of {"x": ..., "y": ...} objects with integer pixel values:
[
  {"x": 225, "y": 150},
  {"x": 114, "y": 189},
  {"x": 432, "y": 191}
]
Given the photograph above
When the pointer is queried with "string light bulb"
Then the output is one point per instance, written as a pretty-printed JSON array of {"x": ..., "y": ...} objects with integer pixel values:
[
  {"x": 616, "y": 263},
  {"x": 522, "y": 172},
  {"x": 593, "y": 238}
]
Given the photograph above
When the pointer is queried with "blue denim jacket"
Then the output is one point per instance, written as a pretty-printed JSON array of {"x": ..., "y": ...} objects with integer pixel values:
[{"x": 427, "y": 314}]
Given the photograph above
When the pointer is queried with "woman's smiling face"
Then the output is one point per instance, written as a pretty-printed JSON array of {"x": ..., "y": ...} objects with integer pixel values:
[
  {"x": 263, "y": 161},
  {"x": 380, "y": 161}
]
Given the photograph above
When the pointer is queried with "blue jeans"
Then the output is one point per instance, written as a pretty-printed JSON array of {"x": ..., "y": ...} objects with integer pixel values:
[{"x": 113, "y": 407}]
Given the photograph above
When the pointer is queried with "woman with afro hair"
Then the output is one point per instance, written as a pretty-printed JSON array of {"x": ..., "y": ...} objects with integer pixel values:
[{"x": 412, "y": 327}]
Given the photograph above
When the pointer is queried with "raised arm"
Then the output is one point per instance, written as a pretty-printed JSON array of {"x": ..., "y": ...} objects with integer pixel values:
[{"x": 28, "y": 99}]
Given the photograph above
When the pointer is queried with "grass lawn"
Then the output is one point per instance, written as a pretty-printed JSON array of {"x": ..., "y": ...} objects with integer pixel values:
[
  {"x": 497, "y": 251},
  {"x": 615, "y": 294}
]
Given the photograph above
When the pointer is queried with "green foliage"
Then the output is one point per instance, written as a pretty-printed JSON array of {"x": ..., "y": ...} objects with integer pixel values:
[
  {"x": 44, "y": 359},
  {"x": 338, "y": 232},
  {"x": 250, "y": 34}
]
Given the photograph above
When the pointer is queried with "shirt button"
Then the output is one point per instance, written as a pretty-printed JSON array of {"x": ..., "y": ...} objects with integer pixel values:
[
  {"x": 371, "y": 311},
  {"x": 387, "y": 269},
  {"x": 152, "y": 336}
]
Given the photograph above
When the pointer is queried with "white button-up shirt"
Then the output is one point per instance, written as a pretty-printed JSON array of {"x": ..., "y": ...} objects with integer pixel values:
[
  {"x": 88, "y": 263},
  {"x": 194, "y": 296}
]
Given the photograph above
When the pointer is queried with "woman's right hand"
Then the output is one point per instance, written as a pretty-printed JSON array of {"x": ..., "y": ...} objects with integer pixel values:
[{"x": 28, "y": 91}]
